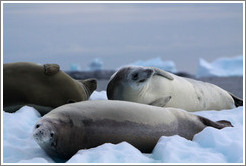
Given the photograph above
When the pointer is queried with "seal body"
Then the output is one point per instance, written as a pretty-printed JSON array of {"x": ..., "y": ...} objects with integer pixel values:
[
  {"x": 69, "y": 128},
  {"x": 44, "y": 87},
  {"x": 160, "y": 88}
]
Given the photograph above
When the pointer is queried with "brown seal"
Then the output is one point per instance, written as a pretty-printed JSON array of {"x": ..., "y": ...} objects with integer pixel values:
[{"x": 44, "y": 87}]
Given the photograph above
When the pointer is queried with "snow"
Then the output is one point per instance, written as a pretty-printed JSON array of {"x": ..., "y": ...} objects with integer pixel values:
[
  {"x": 176, "y": 149},
  {"x": 157, "y": 62},
  {"x": 110, "y": 153},
  {"x": 221, "y": 67},
  {"x": 98, "y": 95},
  {"x": 18, "y": 144},
  {"x": 209, "y": 146}
]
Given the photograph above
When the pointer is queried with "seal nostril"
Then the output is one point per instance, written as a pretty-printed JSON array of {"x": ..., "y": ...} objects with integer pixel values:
[
  {"x": 51, "y": 134},
  {"x": 37, "y": 126},
  {"x": 135, "y": 76}
]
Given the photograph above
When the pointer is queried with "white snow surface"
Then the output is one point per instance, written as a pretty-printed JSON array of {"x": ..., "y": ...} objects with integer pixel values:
[
  {"x": 209, "y": 146},
  {"x": 222, "y": 67}
]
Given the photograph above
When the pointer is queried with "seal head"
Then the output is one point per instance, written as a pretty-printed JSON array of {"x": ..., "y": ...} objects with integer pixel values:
[
  {"x": 45, "y": 135},
  {"x": 59, "y": 137},
  {"x": 130, "y": 83}
]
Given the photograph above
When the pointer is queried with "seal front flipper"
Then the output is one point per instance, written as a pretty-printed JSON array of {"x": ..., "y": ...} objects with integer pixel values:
[
  {"x": 238, "y": 102},
  {"x": 162, "y": 73},
  {"x": 161, "y": 102},
  {"x": 51, "y": 69}
]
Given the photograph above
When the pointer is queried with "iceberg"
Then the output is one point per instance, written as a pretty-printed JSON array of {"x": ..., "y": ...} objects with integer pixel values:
[
  {"x": 74, "y": 67},
  {"x": 158, "y": 63},
  {"x": 95, "y": 64},
  {"x": 222, "y": 67}
]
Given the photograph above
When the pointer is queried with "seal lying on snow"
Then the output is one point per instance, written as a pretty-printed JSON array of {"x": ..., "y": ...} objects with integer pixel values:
[
  {"x": 69, "y": 128},
  {"x": 44, "y": 87},
  {"x": 153, "y": 86}
]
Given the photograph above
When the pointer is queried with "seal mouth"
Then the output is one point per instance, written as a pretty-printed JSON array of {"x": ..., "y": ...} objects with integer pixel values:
[
  {"x": 53, "y": 145},
  {"x": 143, "y": 80}
]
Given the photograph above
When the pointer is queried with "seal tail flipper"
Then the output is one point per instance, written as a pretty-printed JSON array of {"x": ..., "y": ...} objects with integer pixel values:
[
  {"x": 218, "y": 125},
  {"x": 225, "y": 123},
  {"x": 91, "y": 84},
  {"x": 238, "y": 102},
  {"x": 51, "y": 69}
]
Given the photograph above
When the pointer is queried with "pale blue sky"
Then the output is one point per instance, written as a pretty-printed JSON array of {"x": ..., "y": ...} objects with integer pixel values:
[{"x": 121, "y": 33}]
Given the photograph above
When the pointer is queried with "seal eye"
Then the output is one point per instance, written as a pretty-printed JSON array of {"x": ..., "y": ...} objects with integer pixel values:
[{"x": 135, "y": 76}]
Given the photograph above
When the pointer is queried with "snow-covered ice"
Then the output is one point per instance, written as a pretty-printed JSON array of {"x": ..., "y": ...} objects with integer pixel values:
[
  {"x": 221, "y": 67},
  {"x": 18, "y": 144},
  {"x": 209, "y": 146}
]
